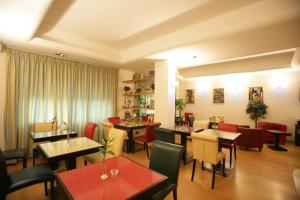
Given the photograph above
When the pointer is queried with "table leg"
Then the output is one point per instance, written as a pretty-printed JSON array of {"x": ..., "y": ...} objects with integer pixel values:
[
  {"x": 183, "y": 138},
  {"x": 276, "y": 145},
  {"x": 130, "y": 145},
  {"x": 71, "y": 163}
]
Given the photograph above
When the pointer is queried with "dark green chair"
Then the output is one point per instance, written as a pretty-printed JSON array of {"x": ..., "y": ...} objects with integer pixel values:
[
  {"x": 164, "y": 135},
  {"x": 12, "y": 154},
  {"x": 165, "y": 159},
  {"x": 191, "y": 119}
]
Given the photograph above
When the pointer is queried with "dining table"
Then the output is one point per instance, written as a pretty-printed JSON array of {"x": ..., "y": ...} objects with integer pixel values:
[
  {"x": 68, "y": 150},
  {"x": 277, "y": 134},
  {"x": 133, "y": 181},
  {"x": 129, "y": 127},
  {"x": 51, "y": 135}
]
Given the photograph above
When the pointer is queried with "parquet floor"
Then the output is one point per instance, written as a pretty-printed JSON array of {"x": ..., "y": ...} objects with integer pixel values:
[{"x": 257, "y": 175}]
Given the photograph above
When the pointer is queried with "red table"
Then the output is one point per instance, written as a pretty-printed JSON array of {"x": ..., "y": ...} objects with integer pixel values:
[{"x": 133, "y": 181}]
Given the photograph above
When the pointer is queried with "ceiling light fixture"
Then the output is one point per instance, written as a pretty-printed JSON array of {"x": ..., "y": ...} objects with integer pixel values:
[
  {"x": 60, "y": 55},
  {"x": 194, "y": 57}
]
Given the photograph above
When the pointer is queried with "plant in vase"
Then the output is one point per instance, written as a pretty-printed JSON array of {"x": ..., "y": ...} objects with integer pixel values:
[
  {"x": 67, "y": 128},
  {"x": 256, "y": 109},
  {"x": 126, "y": 89},
  {"x": 104, "y": 150},
  {"x": 53, "y": 121},
  {"x": 142, "y": 101},
  {"x": 179, "y": 105}
]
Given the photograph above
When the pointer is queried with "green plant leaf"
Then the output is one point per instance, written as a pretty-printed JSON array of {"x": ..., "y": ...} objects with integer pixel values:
[{"x": 110, "y": 152}]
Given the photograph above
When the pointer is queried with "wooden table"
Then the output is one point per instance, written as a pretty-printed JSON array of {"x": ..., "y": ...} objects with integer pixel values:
[
  {"x": 183, "y": 131},
  {"x": 51, "y": 136},
  {"x": 68, "y": 150},
  {"x": 277, "y": 134},
  {"x": 130, "y": 127},
  {"x": 133, "y": 181}
]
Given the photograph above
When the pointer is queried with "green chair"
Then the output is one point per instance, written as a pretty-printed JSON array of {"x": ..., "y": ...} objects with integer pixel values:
[
  {"x": 165, "y": 159},
  {"x": 164, "y": 135}
]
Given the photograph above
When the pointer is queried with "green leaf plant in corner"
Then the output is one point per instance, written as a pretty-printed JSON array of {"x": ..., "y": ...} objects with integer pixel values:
[
  {"x": 256, "y": 109},
  {"x": 66, "y": 126},
  {"x": 106, "y": 144}
]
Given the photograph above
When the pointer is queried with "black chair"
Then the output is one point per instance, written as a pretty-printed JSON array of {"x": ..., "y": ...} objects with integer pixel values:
[
  {"x": 164, "y": 135},
  {"x": 12, "y": 154},
  {"x": 165, "y": 159},
  {"x": 23, "y": 178}
]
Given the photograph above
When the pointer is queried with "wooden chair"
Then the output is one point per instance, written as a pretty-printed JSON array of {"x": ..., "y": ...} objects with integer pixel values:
[
  {"x": 116, "y": 147},
  {"x": 206, "y": 149},
  {"x": 41, "y": 127}
]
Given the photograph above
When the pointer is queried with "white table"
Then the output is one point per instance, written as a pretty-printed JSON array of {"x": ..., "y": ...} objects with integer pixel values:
[{"x": 68, "y": 150}]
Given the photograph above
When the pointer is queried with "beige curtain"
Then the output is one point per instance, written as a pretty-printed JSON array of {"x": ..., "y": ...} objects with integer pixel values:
[{"x": 41, "y": 87}]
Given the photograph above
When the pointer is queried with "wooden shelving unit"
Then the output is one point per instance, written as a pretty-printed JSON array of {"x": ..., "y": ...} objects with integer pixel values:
[{"x": 150, "y": 78}]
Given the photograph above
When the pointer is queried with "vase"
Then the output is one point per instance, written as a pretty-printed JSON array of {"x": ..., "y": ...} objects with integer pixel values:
[{"x": 104, "y": 174}]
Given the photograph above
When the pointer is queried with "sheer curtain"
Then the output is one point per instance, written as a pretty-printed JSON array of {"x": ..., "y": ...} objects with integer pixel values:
[{"x": 40, "y": 87}]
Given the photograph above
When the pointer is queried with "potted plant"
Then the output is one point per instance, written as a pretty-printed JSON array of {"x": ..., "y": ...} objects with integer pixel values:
[
  {"x": 179, "y": 106},
  {"x": 142, "y": 101},
  {"x": 104, "y": 150},
  {"x": 126, "y": 89},
  {"x": 53, "y": 121},
  {"x": 256, "y": 109}
]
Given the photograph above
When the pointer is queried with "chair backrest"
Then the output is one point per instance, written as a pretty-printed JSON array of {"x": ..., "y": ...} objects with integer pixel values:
[
  {"x": 164, "y": 135},
  {"x": 106, "y": 128},
  {"x": 3, "y": 176},
  {"x": 205, "y": 147},
  {"x": 165, "y": 158},
  {"x": 114, "y": 120},
  {"x": 44, "y": 126},
  {"x": 117, "y": 144},
  {"x": 200, "y": 124},
  {"x": 228, "y": 127},
  {"x": 191, "y": 119},
  {"x": 149, "y": 132},
  {"x": 89, "y": 130}
]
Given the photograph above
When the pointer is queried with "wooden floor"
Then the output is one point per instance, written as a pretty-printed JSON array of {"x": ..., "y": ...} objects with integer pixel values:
[{"x": 257, "y": 175}]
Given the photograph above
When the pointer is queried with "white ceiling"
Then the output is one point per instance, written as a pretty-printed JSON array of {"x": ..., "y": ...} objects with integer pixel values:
[{"x": 132, "y": 34}]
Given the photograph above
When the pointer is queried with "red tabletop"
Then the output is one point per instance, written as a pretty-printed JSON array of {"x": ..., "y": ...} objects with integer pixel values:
[{"x": 132, "y": 179}]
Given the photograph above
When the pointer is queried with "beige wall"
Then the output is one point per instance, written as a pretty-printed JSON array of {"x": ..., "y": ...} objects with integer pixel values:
[
  {"x": 124, "y": 75},
  {"x": 281, "y": 94},
  {"x": 3, "y": 77}
]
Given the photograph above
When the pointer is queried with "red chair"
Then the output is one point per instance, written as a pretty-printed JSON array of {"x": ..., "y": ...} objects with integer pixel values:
[
  {"x": 251, "y": 138},
  {"x": 149, "y": 136},
  {"x": 268, "y": 137},
  {"x": 185, "y": 121},
  {"x": 89, "y": 130},
  {"x": 145, "y": 118},
  {"x": 114, "y": 120},
  {"x": 230, "y": 146}
]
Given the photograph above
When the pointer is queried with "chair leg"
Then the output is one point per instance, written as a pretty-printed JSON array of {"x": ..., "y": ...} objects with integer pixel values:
[
  {"x": 202, "y": 165},
  {"x": 175, "y": 194},
  {"x": 194, "y": 166},
  {"x": 213, "y": 177},
  {"x": 147, "y": 151},
  {"x": 259, "y": 149},
  {"x": 52, "y": 189},
  {"x": 224, "y": 167},
  {"x": 34, "y": 155},
  {"x": 234, "y": 148},
  {"x": 46, "y": 191},
  {"x": 24, "y": 160},
  {"x": 230, "y": 159},
  {"x": 85, "y": 163}
]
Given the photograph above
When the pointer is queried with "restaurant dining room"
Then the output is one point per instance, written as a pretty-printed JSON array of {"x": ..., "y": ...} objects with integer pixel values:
[{"x": 139, "y": 99}]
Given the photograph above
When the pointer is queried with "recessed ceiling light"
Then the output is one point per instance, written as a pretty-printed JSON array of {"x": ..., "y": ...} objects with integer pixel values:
[{"x": 194, "y": 57}]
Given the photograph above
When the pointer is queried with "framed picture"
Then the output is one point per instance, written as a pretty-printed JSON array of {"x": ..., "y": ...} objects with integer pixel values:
[
  {"x": 190, "y": 96},
  {"x": 256, "y": 94},
  {"x": 218, "y": 95}
]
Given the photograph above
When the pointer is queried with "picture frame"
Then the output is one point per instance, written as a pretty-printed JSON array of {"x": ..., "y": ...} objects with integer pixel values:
[
  {"x": 190, "y": 96},
  {"x": 218, "y": 95},
  {"x": 256, "y": 94}
]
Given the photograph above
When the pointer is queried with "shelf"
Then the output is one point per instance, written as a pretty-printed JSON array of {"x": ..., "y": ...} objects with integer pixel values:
[
  {"x": 136, "y": 107},
  {"x": 138, "y": 94},
  {"x": 150, "y": 78}
]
